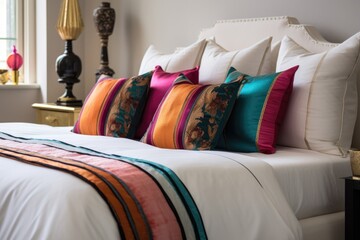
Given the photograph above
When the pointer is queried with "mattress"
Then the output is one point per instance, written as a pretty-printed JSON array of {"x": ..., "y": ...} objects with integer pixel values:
[{"x": 311, "y": 181}]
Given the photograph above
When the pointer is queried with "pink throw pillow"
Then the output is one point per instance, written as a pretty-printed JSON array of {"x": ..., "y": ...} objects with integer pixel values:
[{"x": 161, "y": 81}]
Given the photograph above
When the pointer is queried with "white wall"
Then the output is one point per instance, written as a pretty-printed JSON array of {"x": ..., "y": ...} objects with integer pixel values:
[
  {"x": 15, "y": 104},
  {"x": 164, "y": 23}
]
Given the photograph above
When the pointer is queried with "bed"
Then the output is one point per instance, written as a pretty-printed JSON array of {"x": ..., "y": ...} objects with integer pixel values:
[{"x": 105, "y": 180}]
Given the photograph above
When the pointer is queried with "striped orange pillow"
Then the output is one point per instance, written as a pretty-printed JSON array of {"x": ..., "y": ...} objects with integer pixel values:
[
  {"x": 192, "y": 116},
  {"x": 114, "y": 107}
]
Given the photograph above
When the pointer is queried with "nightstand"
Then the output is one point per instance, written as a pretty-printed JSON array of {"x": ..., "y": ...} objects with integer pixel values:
[
  {"x": 352, "y": 208},
  {"x": 55, "y": 115}
]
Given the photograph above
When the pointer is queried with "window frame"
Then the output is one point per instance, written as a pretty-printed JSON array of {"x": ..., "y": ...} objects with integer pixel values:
[
  {"x": 27, "y": 26},
  {"x": 26, "y": 39},
  {"x": 10, "y": 36}
]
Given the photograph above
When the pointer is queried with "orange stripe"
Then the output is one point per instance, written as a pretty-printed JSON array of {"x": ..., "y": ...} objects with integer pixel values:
[
  {"x": 168, "y": 116},
  {"x": 95, "y": 103}
]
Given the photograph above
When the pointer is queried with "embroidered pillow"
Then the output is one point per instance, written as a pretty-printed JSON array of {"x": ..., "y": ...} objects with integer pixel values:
[
  {"x": 114, "y": 107},
  {"x": 160, "y": 83},
  {"x": 258, "y": 112},
  {"x": 216, "y": 61},
  {"x": 184, "y": 58},
  {"x": 192, "y": 116},
  {"x": 322, "y": 109}
]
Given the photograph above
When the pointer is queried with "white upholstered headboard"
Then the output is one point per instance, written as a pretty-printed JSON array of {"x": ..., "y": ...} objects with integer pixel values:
[{"x": 242, "y": 33}]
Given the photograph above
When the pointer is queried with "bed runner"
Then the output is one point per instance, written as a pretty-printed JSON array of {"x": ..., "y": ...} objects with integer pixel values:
[{"x": 147, "y": 200}]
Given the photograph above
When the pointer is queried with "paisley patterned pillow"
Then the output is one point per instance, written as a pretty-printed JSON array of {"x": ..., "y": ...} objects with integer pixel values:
[
  {"x": 114, "y": 107},
  {"x": 192, "y": 116}
]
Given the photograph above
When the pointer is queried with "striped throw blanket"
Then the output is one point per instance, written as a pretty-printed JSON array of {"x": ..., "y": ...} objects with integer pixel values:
[{"x": 147, "y": 200}]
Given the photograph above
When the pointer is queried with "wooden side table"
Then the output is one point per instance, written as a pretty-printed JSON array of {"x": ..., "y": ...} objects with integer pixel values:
[
  {"x": 352, "y": 208},
  {"x": 54, "y": 115}
]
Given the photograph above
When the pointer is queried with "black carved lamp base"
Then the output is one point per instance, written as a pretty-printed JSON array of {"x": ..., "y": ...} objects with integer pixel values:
[
  {"x": 67, "y": 99},
  {"x": 74, "y": 103},
  {"x": 68, "y": 67}
]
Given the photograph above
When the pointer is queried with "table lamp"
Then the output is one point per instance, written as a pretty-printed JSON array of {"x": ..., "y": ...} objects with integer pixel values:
[{"x": 68, "y": 65}]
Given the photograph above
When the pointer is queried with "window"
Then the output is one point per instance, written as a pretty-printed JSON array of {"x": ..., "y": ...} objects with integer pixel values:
[
  {"x": 17, "y": 18},
  {"x": 8, "y": 33}
]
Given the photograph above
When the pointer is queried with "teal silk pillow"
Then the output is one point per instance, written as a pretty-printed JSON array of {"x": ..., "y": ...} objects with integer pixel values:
[{"x": 258, "y": 112}]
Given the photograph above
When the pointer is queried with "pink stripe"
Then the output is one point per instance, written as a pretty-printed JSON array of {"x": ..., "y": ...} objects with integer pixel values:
[
  {"x": 193, "y": 96},
  {"x": 107, "y": 104},
  {"x": 275, "y": 108},
  {"x": 150, "y": 131}
]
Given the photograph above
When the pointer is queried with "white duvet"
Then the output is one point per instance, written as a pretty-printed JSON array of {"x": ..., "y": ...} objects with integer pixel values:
[{"x": 238, "y": 196}]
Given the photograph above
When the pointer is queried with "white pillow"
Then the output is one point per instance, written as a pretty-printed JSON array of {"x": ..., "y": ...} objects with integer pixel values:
[
  {"x": 216, "y": 61},
  {"x": 322, "y": 109},
  {"x": 185, "y": 58}
]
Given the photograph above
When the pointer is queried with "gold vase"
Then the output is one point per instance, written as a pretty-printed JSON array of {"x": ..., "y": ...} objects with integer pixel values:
[{"x": 355, "y": 162}]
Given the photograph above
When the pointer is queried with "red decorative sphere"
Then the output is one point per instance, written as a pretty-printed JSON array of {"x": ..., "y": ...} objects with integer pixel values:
[{"x": 14, "y": 60}]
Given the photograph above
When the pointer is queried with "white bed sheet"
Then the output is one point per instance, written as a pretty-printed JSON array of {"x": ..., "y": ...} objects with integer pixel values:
[
  {"x": 231, "y": 200},
  {"x": 311, "y": 181}
]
